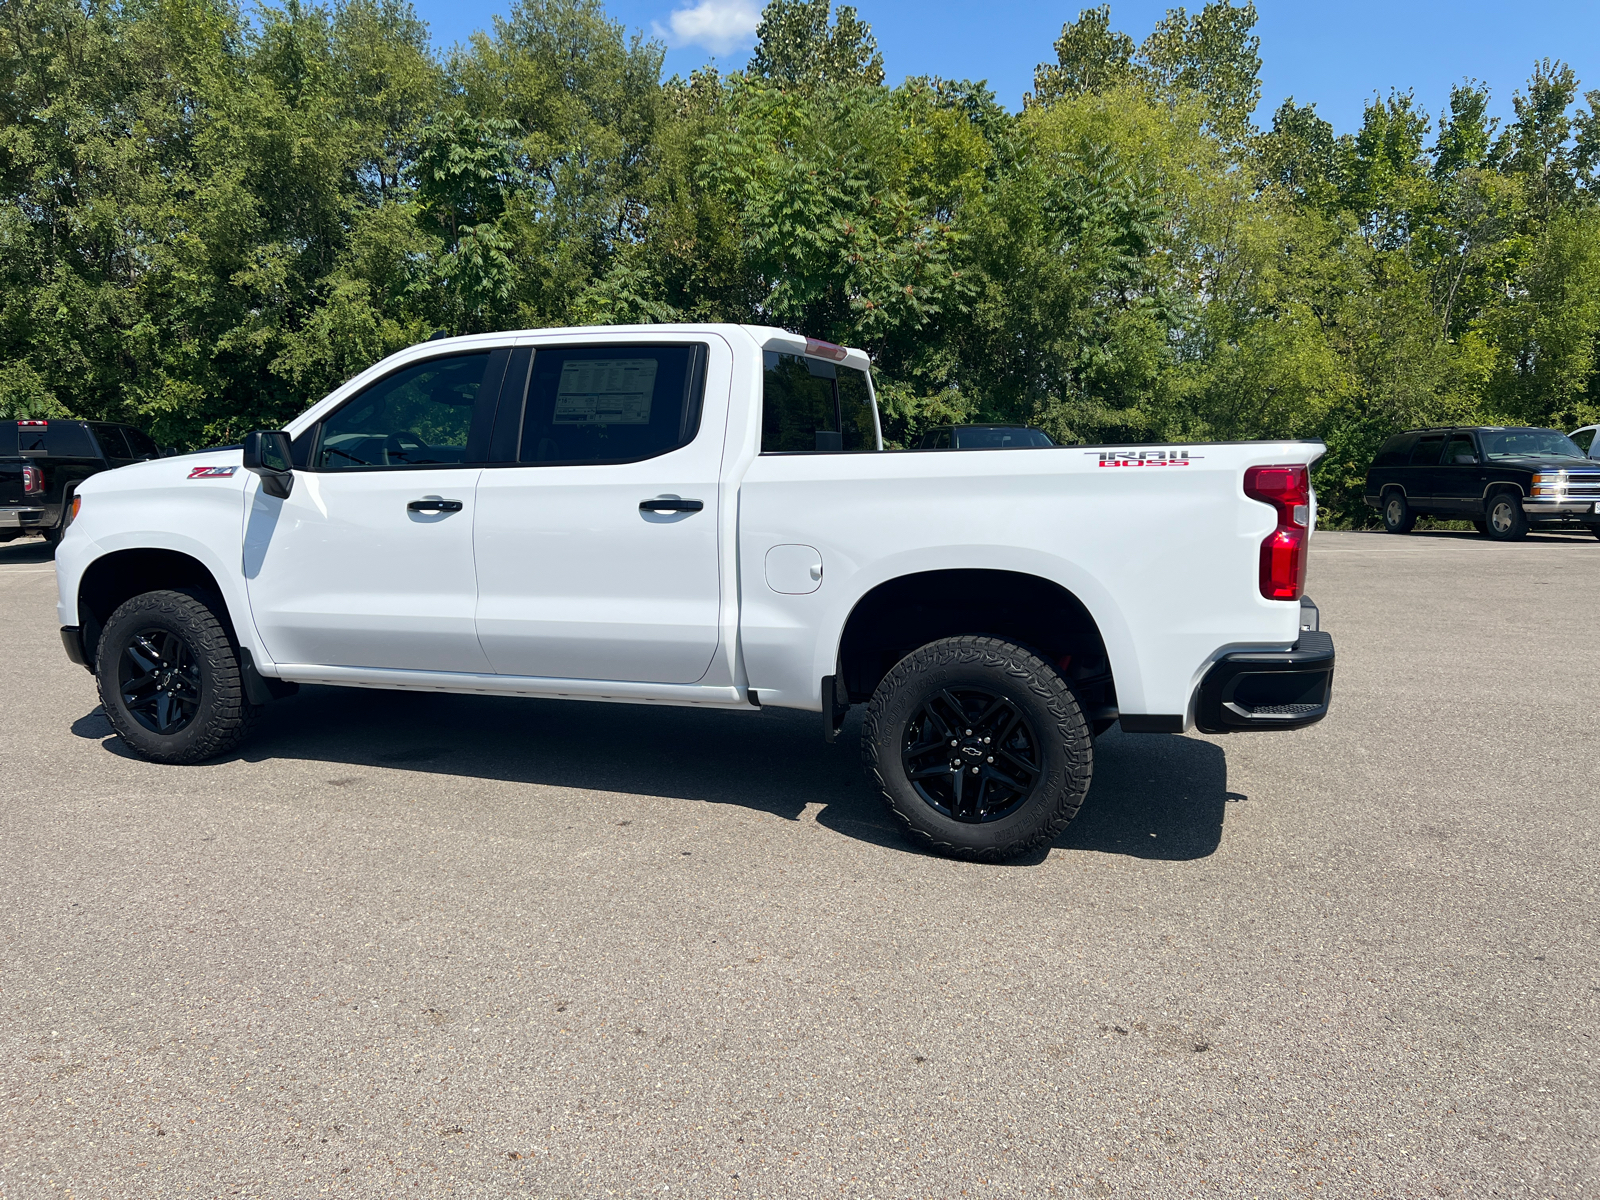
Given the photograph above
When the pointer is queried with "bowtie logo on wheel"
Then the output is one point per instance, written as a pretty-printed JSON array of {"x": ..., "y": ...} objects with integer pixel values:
[{"x": 1144, "y": 458}]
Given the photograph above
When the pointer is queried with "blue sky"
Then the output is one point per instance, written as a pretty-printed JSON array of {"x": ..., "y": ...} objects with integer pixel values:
[{"x": 1335, "y": 54}]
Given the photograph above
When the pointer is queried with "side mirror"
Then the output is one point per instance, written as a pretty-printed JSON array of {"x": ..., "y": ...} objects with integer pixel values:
[
  {"x": 268, "y": 455},
  {"x": 169, "y": 452}
]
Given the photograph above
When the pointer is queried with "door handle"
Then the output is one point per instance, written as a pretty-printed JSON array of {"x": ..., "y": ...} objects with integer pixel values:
[
  {"x": 433, "y": 504},
  {"x": 670, "y": 504}
]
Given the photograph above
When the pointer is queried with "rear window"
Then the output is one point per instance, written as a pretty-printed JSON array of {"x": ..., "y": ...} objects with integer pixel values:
[
  {"x": 810, "y": 405},
  {"x": 1393, "y": 452},
  {"x": 1426, "y": 453},
  {"x": 612, "y": 404}
]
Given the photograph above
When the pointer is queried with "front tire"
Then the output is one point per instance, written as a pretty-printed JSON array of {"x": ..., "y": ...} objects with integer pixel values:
[
  {"x": 1397, "y": 514},
  {"x": 1505, "y": 519},
  {"x": 979, "y": 747},
  {"x": 169, "y": 679}
]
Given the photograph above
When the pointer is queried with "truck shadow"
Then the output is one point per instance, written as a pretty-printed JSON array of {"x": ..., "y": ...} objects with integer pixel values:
[
  {"x": 1154, "y": 796},
  {"x": 27, "y": 550}
]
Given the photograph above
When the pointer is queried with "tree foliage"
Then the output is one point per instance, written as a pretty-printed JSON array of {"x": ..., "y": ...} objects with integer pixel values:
[{"x": 207, "y": 220}]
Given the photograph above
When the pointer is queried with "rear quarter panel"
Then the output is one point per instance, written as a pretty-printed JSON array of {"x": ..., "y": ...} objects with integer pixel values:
[{"x": 1164, "y": 553}]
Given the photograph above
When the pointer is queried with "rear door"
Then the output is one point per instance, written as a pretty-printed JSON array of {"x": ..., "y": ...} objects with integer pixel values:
[
  {"x": 597, "y": 530},
  {"x": 1420, "y": 475},
  {"x": 368, "y": 563}
]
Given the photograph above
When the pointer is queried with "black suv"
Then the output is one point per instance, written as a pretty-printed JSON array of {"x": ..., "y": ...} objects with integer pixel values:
[
  {"x": 1504, "y": 479},
  {"x": 43, "y": 462}
]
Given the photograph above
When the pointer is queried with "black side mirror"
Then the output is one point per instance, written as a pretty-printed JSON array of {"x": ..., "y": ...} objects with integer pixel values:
[
  {"x": 268, "y": 455},
  {"x": 169, "y": 452}
]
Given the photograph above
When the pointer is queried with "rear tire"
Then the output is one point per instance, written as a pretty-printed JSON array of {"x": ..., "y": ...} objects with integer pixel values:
[
  {"x": 169, "y": 679},
  {"x": 978, "y": 712},
  {"x": 1505, "y": 519},
  {"x": 1397, "y": 514}
]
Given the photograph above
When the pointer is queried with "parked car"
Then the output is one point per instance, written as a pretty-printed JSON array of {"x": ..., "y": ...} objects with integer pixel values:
[
  {"x": 982, "y": 437},
  {"x": 699, "y": 515},
  {"x": 1586, "y": 441},
  {"x": 43, "y": 463},
  {"x": 1504, "y": 479}
]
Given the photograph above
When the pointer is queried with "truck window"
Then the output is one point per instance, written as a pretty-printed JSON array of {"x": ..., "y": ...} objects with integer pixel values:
[
  {"x": 1427, "y": 452},
  {"x": 810, "y": 405},
  {"x": 419, "y": 416},
  {"x": 112, "y": 443},
  {"x": 1393, "y": 452},
  {"x": 1460, "y": 451},
  {"x": 142, "y": 444},
  {"x": 612, "y": 404}
]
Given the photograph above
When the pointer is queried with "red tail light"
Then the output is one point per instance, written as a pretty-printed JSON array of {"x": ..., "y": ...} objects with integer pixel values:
[
  {"x": 32, "y": 480},
  {"x": 1283, "y": 554}
]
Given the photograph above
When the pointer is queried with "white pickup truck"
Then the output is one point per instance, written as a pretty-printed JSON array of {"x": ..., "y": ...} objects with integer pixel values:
[{"x": 704, "y": 515}]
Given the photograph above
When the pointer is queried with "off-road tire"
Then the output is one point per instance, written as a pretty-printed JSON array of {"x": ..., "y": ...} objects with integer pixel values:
[
  {"x": 1037, "y": 690},
  {"x": 1397, "y": 514},
  {"x": 1504, "y": 518},
  {"x": 223, "y": 716}
]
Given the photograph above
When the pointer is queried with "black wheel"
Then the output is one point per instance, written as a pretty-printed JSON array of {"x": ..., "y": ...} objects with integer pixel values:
[
  {"x": 1505, "y": 519},
  {"x": 979, "y": 747},
  {"x": 169, "y": 679},
  {"x": 1397, "y": 514}
]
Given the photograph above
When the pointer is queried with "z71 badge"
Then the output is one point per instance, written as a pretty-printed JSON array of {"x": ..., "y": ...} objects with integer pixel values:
[
  {"x": 212, "y": 472},
  {"x": 1144, "y": 458}
]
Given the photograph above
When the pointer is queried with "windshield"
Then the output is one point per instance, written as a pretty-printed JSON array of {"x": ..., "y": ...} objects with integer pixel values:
[{"x": 1529, "y": 443}]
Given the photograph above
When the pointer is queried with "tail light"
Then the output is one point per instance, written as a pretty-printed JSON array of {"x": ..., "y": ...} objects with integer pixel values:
[
  {"x": 32, "y": 480},
  {"x": 1283, "y": 554}
]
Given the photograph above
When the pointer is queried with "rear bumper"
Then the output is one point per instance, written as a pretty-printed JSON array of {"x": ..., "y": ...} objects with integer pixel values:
[
  {"x": 1268, "y": 689},
  {"x": 26, "y": 518}
]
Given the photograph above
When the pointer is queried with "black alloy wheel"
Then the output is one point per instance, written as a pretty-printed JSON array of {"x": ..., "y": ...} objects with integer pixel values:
[
  {"x": 979, "y": 747},
  {"x": 972, "y": 755},
  {"x": 159, "y": 680},
  {"x": 170, "y": 678}
]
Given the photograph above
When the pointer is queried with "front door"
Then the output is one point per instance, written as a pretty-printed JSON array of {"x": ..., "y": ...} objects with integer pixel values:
[
  {"x": 1459, "y": 486},
  {"x": 597, "y": 541},
  {"x": 368, "y": 563}
]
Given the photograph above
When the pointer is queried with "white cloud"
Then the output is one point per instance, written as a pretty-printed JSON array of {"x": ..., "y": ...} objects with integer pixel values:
[{"x": 718, "y": 25}]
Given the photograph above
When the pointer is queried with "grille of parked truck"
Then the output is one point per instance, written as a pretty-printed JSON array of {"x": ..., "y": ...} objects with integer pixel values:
[{"x": 704, "y": 515}]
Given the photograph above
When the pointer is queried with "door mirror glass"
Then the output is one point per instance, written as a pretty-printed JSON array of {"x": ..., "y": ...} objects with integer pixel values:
[{"x": 267, "y": 454}]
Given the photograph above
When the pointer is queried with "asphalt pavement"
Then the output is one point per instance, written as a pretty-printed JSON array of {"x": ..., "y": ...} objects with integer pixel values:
[{"x": 410, "y": 945}]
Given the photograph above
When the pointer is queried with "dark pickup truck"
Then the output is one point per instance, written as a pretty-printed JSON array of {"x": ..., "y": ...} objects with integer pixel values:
[
  {"x": 43, "y": 462},
  {"x": 1504, "y": 479}
]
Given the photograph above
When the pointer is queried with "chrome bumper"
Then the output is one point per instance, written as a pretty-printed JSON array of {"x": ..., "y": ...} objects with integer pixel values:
[{"x": 11, "y": 518}]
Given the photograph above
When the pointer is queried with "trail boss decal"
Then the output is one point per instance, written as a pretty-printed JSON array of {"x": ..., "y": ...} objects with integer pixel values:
[
  {"x": 212, "y": 472},
  {"x": 1144, "y": 458}
]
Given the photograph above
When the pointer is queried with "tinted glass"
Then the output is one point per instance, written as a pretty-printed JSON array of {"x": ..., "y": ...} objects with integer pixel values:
[
  {"x": 596, "y": 404},
  {"x": 995, "y": 438},
  {"x": 66, "y": 439},
  {"x": 1394, "y": 451},
  {"x": 1539, "y": 443},
  {"x": 810, "y": 404},
  {"x": 1427, "y": 452},
  {"x": 142, "y": 444},
  {"x": 112, "y": 443},
  {"x": 419, "y": 416},
  {"x": 1460, "y": 452},
  {"x": 1584, "y": 440}
]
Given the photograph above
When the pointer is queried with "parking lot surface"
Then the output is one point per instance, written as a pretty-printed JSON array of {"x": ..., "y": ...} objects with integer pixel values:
[{"x": 433, "y": 945}]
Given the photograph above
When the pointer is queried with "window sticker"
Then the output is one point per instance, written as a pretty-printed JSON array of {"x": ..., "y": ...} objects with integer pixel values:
[{"x": 605, "y": 391}]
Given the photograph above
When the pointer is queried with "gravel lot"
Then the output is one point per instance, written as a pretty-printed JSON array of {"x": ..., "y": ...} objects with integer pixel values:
[{"x": 410, "y": 945}]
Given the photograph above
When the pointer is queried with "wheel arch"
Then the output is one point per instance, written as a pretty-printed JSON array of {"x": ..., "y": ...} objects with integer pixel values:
[
  {"x": 900, "y": 614},
  {"x": 119, "y": 575}
]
